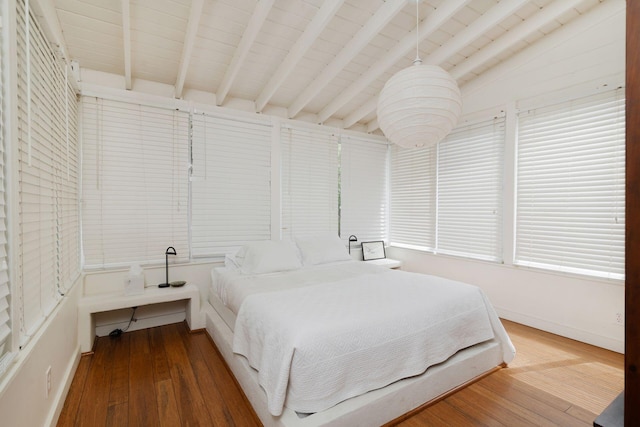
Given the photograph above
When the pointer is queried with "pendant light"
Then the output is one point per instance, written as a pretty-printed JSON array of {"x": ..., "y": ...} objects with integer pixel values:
[{"x": 418, "y": 106}]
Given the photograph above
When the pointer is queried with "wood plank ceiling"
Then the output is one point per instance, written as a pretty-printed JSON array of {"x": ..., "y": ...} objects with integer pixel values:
[{"x": 317, "y": 60}]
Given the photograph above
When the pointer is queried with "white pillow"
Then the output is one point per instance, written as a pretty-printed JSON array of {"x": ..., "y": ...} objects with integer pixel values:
[
  {"x": 322, "y": 249},
  {"x": 230, "y": 262},
  {"x": 268, "y": 256}
]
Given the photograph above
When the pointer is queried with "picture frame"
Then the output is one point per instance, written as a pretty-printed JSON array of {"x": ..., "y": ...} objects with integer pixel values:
[{"x": 373, "y": 250}]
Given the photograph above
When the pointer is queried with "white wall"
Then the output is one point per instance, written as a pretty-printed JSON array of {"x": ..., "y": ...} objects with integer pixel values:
[
  {"x": 23, "y": 400},
  {"x": 574, "y": 307},
  {"x": 581, "y": 58}
]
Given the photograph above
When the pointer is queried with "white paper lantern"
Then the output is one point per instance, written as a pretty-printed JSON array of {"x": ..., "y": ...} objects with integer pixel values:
[{"x": 419, "y": 106}]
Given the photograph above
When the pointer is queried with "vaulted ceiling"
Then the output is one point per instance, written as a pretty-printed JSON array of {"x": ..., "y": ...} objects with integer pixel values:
[{"x": 324, "y": 59}]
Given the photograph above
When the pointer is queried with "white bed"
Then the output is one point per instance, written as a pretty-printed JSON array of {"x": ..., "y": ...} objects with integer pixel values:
[{"x": 348, "y": 342}]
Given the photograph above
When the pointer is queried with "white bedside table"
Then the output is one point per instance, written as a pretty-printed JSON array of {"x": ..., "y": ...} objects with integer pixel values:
[
  {"x": 386, "y": 262},
  {"x": 89, "y": 305}
]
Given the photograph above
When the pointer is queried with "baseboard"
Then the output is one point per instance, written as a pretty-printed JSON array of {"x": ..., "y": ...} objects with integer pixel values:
[{"x": 563, "y": 330}]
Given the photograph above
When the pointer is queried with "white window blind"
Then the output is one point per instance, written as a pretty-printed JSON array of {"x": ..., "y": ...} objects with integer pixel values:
[
  {"x": 470, "y": 174},
  {"x": 412, "y": 200},
  {"x": 6, "y": 352},
  {"x": 363, "y": 189},
  {"x": 309, "y": 182},
  {"x": 135, "y": 183},
  {"x": 48, "y": 252},
  {"x": 231, "y": 184},
  {"x": 571, "y": 182}
]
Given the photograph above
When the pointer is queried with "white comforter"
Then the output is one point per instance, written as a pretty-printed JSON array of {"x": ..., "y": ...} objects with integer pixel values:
[{"x": 320, "y": 344}]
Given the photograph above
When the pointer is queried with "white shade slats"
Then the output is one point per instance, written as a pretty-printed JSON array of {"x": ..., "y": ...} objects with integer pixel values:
[
  {"x": 47, "y": 167},
  {"x": 6, "y": 352},
  {"x": 135, "y": 198},
  {"x": 470, "y": 181},
  {"x": 570, "y": 190},
  {"x": 309, "y": 182},
  {"x": 230, "y": 184},
  {"x": 412, "y": 199},
  {"x": 448, "y": 198},
  {"x": 363, "y": 189}
]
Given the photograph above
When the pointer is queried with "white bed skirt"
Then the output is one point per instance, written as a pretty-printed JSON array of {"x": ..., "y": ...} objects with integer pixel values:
[{"x": 373, "y": 408}]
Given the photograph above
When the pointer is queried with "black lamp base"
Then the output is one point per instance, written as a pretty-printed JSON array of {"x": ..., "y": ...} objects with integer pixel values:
[{"x": 163, "y": 285}]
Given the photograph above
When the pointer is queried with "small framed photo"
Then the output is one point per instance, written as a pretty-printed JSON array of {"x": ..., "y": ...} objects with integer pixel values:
[{"x": 373, "y": 250}]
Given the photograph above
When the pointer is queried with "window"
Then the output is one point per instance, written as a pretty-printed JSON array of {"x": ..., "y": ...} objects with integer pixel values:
[
  {"x": 413, "y": 197},
  {"x": 47, "y": 164},
  {"x": 230, "y": 184},
  {"x": 570, "y": 187},
  {"x": 363, "y": 189},
  {"x": 5, "y": 318},
  {"x": 135, "y": 183},
  {"x": 470, "y": 174},
  {"x": 448, "y": 198},
  {"x": 309, "y": 182}
]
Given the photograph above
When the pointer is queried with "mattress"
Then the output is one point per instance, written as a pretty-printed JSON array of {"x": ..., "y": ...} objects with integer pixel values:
[{"x": 320, "y": 335}]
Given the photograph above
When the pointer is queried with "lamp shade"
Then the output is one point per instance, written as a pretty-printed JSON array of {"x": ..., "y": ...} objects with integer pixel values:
[{"x": 418, "y": 106}]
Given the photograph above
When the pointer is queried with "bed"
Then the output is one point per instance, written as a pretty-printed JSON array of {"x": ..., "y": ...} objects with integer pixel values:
[{"x": 316, "y": 338}]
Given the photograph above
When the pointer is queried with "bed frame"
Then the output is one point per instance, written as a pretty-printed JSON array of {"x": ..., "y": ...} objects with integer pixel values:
[{"x": 376, "y": 407}]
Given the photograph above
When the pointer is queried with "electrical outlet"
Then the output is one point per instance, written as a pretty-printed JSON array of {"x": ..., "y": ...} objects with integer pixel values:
[
  {"x": 48, "y": 380},
  {"x": 619, "y": 318}
]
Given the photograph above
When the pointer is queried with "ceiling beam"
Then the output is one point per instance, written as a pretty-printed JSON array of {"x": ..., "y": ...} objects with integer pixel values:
[
  {"x": 250, "y": 33},
  {"x": 189, "y": 39},
  {"x": 372, "y": 125},
  {"x": 546, "y": 15},
  {"x": 428, "y": 26},
  {"x": 360, "y": 112},
  {"x": 362, "y": 38},
  {"x": 324, "y": 15},
  {"x": 126, "y": 35},
  {"x": 490, "y": 19}
]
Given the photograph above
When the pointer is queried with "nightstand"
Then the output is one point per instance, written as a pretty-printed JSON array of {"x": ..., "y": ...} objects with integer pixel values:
[{"x": 386, "y": 262}]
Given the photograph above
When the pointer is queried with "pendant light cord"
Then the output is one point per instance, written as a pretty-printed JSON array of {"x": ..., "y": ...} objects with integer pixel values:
[{"x": 417, "y": 60}]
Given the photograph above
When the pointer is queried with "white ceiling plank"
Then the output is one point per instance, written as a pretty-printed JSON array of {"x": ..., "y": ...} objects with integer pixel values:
[
  {"x": 248, "y": 37},
  {"x": 167, "y": 42},
  {"x": 303, "y": 44},
  {"x": 545, "y": 16},
  {"x": 189, "y": 40},
  {"x": 45, "y": 10},
  {"x": 573, "y": 29},
  {"x": 477, "y": 28},
  {"x": 126, "y": 35},
  {"x": 373, "y": 26},
  {"x": 428, "y": 26}
]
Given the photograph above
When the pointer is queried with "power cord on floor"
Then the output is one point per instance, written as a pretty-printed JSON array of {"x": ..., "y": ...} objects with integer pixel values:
[{"x": 118, "y": 332}]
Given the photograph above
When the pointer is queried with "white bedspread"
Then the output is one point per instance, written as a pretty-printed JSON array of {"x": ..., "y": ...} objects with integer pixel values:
[{"x": 320, "y": 344}]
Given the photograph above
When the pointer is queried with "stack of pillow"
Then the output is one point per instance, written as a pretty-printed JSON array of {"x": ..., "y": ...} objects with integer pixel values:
[{"x": 282, "y": 255}]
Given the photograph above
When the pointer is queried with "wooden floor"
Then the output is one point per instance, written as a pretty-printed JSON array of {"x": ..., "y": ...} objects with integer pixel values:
[{"x": 167, "y": 377}]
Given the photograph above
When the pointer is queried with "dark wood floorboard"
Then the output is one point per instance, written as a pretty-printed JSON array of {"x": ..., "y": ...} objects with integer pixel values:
[{"x": 167, "y": 376}]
